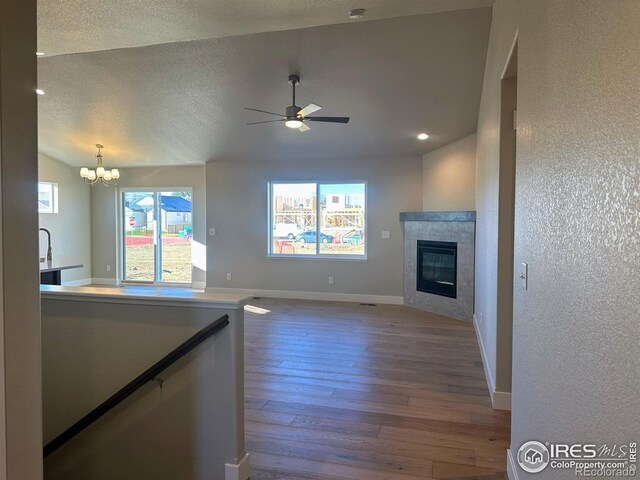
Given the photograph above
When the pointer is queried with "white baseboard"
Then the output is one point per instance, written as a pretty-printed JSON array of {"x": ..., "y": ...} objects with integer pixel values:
[
  {"x": 512, "y": 471},
  {"x": 326, "y": 296},
  {"x": 239, "y": 471},
  {"x": 499, "y": 400},
  {"x": 78, "y": 283},
  {"x": 199, "y": 285},
  {"x": 104, "y": 281}
]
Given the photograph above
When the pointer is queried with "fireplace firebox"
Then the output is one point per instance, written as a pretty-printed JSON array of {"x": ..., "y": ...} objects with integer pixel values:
[{"x": 437, "y": 268}]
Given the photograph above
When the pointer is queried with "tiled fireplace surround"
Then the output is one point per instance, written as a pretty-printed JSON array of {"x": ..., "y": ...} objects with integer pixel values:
[{"x": 456, "y": 227}]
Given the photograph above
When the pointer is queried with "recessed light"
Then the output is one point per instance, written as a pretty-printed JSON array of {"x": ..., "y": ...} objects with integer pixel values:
[
  {"x": 39, "y": 91},
  {"x": 356, "y": 13},
  {"x": 40, "y": 54},
  {"x": 422, "y": 136}
]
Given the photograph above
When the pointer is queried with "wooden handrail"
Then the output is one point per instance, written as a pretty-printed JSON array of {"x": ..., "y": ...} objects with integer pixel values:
[{"x": 135, "y": 384}]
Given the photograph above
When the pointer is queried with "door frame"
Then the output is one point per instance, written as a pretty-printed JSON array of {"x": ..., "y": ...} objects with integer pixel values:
[{"x": 157, "y": 251}]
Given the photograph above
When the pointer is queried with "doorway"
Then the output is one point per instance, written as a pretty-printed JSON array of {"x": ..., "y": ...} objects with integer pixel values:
[
  {"x": 157, "y": 234},
  {"x": 506, "y": 206}
]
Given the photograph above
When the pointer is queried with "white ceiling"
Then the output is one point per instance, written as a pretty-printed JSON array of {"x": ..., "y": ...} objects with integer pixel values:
[
  {"x": 182, "y": 103},
  {"x": 73, "y": 26}
]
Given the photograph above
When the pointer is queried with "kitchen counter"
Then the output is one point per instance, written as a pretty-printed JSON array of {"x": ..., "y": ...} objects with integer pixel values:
[{"x": 50, "y": 269}]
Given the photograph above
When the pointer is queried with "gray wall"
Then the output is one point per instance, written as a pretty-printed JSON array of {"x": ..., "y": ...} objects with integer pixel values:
[
  {"x": 577, "y": 327},
  {"x": 237, "y": 208},
  {"x": 187, "y": 428},
  {"x": 104, "y": 221},
  {"x": 449, "y": 176},
  {"x": 20, "y": 365},
  {"x": 503, "y": 31},
  {"x": 71, "y": 227}
]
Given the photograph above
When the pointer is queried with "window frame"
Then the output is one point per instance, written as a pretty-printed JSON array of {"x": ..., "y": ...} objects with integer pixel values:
[
  {"x": 120, "y": 235},
  {"x": 317, "y": 255},
  {"x": 53, "y": 209}
]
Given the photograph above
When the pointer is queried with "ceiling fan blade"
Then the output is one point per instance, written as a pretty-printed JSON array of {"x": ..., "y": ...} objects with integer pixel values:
[
  {"x": 309, "y": 109},
  {"x": 263, "y": 111},
  {"x": 329, "y": 119},
  {"x": 266, "y": 121},
  {"x": 304, "y": 127}
]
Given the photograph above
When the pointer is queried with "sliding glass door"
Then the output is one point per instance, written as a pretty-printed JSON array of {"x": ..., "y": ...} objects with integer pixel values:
[
  {"x": 139, "y": 245},
  {"x": 157, "y": 235}
]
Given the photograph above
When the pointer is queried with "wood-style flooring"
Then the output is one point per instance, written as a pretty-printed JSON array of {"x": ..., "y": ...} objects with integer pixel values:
[{"x": 347, "y": 391}]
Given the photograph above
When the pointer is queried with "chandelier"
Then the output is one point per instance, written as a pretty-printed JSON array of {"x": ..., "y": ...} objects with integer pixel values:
[{"x": 106, "y": 177}]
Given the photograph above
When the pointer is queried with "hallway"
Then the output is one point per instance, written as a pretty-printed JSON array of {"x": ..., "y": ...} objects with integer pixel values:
[{"x": 349, "y": 391}]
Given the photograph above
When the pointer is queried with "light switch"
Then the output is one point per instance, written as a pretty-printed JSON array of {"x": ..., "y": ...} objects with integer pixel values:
[
  {"x": 386, "y": 234},
  {"x": 212, "y": 231},
  {"x": 523, "y": 275}
]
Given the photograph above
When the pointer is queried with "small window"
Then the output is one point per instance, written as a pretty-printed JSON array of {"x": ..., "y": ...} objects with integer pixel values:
[
  {"x": 47, "y": 197},
  {"x": 317, "y": 219}
]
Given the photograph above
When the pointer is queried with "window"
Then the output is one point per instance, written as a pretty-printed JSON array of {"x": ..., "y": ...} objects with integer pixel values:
[
  {"x": 157, "y": 236},
  {"x": 47, "y": 197},
  {"x": 317, "y": 219}
]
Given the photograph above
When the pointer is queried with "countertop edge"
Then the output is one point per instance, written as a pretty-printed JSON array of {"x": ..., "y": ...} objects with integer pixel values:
[{"x": 174, "y": 297}]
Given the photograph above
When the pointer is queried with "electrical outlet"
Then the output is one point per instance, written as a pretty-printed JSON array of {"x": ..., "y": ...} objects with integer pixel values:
[
  {"x": 108, "y": 268},
  {"x": 330, "y": 280},
  {"x": 386, "y": 234},
  {"x": 228, "y": 276},
  {"x": 212, "y": 232}
]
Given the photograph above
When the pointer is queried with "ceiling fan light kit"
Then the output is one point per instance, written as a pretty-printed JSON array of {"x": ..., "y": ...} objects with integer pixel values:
[
  {"x": 295, "y": 116},
  {"x": 293, "y": 123}
]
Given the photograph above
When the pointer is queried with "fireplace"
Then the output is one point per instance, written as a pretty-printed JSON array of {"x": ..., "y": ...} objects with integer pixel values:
[
  {"x": 437, "y": 268},
  {"x": 438, "y": 274}
]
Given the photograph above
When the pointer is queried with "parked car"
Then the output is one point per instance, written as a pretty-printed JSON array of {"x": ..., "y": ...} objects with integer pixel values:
[
  {"x": 286, "y": 230},
  {"x": 310, "y": 236}
]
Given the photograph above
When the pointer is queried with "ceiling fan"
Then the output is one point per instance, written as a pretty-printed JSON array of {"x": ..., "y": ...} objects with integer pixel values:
[{"x": 295, "y": 117}]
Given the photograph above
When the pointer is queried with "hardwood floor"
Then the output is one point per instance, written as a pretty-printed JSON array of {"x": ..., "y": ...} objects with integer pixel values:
[{"x": 348, "y": 391}]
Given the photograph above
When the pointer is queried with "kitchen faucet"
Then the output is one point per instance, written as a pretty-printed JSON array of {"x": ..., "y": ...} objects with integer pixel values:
[{"x": 49, "y": 256}]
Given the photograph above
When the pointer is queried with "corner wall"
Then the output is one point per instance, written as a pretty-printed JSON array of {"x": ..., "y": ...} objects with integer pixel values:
[
  {"x": 503, "y": 32},
  {"x": 71, "y": 227},
  {"x": 449, "y": 177},
  {"x": 20, "y": 359},
  {"x": 237, "y": 208},
  {"x": 577, "y": 327}
]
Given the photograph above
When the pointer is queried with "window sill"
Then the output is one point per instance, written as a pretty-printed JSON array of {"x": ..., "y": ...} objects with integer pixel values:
[{"x": 354, "y": 258}]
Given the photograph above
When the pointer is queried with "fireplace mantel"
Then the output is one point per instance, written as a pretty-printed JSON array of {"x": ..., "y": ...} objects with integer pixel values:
[{"x": 457, "y": 216}]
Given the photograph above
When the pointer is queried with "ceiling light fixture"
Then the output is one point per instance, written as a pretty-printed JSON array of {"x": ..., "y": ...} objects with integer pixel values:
[
  {"x": 356, "y": 13},
  {"x": 40, "y": 54},
  {"x": 39, "y": 91},
  {"x": 422, "y": 136},
  {"x": 293, "y": 123},
  {"x": 106, "y": 177}
]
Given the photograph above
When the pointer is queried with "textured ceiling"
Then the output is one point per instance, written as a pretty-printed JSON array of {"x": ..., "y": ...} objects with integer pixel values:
[
  {"x": 182, "y": 103},
  {"x": 73, "y": 26}
]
